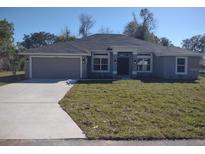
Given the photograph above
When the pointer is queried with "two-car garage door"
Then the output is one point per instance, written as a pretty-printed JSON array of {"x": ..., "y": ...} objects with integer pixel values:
[{"x": 55, "y": 67}]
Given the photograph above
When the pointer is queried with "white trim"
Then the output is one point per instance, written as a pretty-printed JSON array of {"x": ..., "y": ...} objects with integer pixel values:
[
  {"x": 54, "y": 54},
  {"x": 57, "y": 56},
  {"x": 178, "y": 55},
  {"x": 30, "y": 62},
  {"x": 151, "y": 62},
  {"x": 101, "y": 51},
  {"x": 81, "y": 68},
  {"x": 125, "y": 48},
  {"x": 115, "y": 53},
  {"x": 30, "y": 67},
  {"x": 100, "y": 56},
  {"x": 114, "y": 72},
  {"x": 185, "y": 65},
  {"x": 134, "y": 72}
]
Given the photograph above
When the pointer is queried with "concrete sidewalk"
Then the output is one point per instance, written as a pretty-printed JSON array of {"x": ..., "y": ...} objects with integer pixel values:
[
  {"x": 30, "y": 110},
  {"x": 84, "y": 142}
]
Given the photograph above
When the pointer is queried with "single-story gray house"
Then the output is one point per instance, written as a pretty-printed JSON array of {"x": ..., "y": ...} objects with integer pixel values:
[{"x": 110, "y": 56}]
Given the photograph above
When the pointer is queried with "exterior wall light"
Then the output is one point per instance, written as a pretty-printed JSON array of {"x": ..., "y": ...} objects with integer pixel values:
[
  {"x": 135, "y": 62},
  {"x": 115, "y": 61},
  {"x": 27, "y": 59},
  {"x": 83, "y": 60}
]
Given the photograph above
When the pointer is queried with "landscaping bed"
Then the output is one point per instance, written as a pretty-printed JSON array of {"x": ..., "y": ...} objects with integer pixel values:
[{"x": 135, "y": 109}]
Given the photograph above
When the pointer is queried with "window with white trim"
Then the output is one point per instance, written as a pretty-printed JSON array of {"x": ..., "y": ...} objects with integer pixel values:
[
  {"x": 144, "y": 63},
  {"x": 100, "y": 62},
  {"x": 181, "y": 65}
]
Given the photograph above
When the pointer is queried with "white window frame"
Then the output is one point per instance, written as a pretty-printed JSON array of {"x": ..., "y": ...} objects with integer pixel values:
[
  {"x": 185, "y": 65},
  {"x": 101, "y": 56},
  {"x": 151, "y": 63}
]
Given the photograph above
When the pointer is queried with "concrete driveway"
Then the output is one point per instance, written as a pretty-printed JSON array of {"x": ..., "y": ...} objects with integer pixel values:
[{"x": 30, "y": 110}]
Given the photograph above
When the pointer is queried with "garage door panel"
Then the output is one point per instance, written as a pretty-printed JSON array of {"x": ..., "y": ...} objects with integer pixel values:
[{"x": 55, "y": 67}]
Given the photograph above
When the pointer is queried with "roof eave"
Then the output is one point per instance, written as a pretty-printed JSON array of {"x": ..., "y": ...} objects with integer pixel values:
[
  {"x": 181, "y": 54},
  {"x": 54, "y": 54}
]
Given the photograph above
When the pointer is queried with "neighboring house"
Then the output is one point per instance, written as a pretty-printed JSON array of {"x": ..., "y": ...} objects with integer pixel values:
[{"x": 110, "y": 56}]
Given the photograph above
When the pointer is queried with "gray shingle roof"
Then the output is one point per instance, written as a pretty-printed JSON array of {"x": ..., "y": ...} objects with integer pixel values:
[
  {"x": 60, "y": 47},
  {"x": 105, "y": 41}
]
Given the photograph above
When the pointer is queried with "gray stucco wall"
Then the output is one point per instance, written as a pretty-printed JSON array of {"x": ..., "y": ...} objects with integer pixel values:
[
  {"x": 193, "y": 67},
  {"x": 84, "y": 66},
  {"x": 130, "y": 64},
  {"x": 114, "y": 65},
  {"x": 157, "y": 66},
  {"x": 165, "y": 67}
]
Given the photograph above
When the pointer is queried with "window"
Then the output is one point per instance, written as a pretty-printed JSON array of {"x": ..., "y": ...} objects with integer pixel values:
[
  {"x": 144, "y": 63},
  {"x": 100, "y": 62},
  {"x": 181, "y": 65}
]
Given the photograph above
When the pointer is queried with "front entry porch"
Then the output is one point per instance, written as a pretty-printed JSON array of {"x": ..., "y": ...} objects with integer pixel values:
[
  {"x": 123, "y": 66},
  {"x": 130, "y": 65}
]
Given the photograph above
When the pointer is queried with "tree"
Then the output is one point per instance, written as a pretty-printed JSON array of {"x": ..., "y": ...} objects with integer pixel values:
[
  {"x": 142, "y": 30},
  {"x": 65, "y": 36},
  {"x": 147, "y": 25},
  {"x": 21, "y": 59},
  {"x": 38, "y": 39},
  {"x": 105, "y": 30},
  {"x": 165, "y": 42},
  {"x": 6, "y": 37},
  {"x": 151, "y": 37},
  {"x": 131, "y": 28},
  {"x": 8, "y": 51},
  {"x": 6, "y": 43},
  {"x": 148, "y": 19},
  {"x": 195, "y": 43},
  {"x": 13, "y": 60},
  {"x": 86, "y": 23}
]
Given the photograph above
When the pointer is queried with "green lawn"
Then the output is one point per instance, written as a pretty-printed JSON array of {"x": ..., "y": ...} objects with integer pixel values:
[
  {"x": 7, "y": 77},
  {"x": 132, "y": 109}
]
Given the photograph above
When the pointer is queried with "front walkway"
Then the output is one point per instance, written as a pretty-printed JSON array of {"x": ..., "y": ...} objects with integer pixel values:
[{"x": 30, "y": 110}]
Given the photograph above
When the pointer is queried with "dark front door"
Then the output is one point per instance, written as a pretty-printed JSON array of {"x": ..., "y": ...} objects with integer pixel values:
[{"x": 123, "y": 66}]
